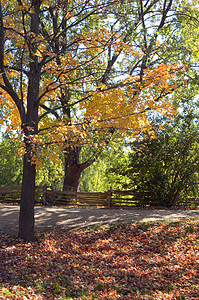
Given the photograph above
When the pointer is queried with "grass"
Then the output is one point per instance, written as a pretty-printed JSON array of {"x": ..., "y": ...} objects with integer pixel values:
[{"x": 146, "y": 260}]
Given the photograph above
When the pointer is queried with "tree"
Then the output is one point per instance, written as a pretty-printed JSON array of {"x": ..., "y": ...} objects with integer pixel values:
[
  {"x": 29, "y": 118},
  {"x": 98, "y": 176},
  {"x": 58, "y": 71},
  {"x": 166, "y": 166},
  {"x": 22, "y": 36},
  {"x": 11, "y": 166},
  {"x": 50, "y": 174},
  {"x": 122, "y": 75}
]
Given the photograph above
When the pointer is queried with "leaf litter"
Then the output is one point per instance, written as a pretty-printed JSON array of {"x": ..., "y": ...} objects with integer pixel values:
[{"x": 146, "y": 260}]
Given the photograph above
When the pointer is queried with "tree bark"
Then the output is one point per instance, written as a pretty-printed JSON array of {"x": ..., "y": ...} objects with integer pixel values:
[
  {"x": 71, "y": 177},
  {"x": 30, "y": 129},
  {"x": 72, "y": 169},
  {"x": 26, "y": 217}
]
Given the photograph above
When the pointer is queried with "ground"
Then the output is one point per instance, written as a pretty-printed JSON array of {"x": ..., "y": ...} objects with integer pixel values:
[
  {"x": 76, "y": 217},
  {"x": 135, "y": 260}
]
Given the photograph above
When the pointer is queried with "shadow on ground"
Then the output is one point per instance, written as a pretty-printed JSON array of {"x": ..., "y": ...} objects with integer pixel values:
[{"x": 72, "y": 217}]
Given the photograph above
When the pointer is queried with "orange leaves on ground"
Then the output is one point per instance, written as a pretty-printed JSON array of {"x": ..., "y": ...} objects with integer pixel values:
[{"x": 153, "y": 260}]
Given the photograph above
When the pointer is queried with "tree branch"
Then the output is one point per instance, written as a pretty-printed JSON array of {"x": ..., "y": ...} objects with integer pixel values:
[{"x": 7, "y": 85}]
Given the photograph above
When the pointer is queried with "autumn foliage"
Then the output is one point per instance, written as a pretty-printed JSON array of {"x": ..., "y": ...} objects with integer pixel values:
[
  {"x": 153, "y": 260},
  {"x": 85, "y": 85}
]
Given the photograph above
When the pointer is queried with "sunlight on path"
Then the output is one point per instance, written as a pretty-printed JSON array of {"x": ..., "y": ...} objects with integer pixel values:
[{"x": 72, "y": 217}]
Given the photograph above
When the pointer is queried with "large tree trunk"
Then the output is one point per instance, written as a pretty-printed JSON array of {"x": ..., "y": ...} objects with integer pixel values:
[
  {"x": 72, "y": 169},
  {"x": 30, "y": 128},
  {"x": 26, "y": 217},
  {"x": 71, "y": 177}
]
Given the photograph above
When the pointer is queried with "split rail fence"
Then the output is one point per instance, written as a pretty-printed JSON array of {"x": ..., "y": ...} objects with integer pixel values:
[{"x": 111, "y": 198}]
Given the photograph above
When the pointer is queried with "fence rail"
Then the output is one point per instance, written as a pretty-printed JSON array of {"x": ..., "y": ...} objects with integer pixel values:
[
  {"x": 12, "y": 194},
  {"x": 111, "y": 198}
]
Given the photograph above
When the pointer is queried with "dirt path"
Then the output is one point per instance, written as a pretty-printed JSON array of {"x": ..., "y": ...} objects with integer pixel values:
[{"x": 74, "y": 217}]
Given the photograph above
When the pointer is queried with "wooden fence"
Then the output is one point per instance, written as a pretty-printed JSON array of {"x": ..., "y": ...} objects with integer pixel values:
[
  {"x": 111, "y": 198},
  {"x": 12, "y": 194}
]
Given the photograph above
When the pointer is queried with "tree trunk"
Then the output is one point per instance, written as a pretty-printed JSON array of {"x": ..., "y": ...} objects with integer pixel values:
[
  {"x": 26, "y": 217},
  {"x": 30, "y": 129},
  {"x": 71, "y": 178},
  {"x": 72, "y": 169}
]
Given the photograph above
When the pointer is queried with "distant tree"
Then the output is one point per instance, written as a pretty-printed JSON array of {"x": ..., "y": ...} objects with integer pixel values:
[
  {"x": 97, "y": 176},
  {"x": 11, "y": 168},
  {"x": 166, "y": 166},
  {"x": 51, "y": 173},
  {"x": 10, "y": 163}
]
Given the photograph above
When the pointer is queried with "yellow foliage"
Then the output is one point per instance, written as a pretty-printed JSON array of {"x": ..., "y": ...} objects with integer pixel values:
[
  {"x": 11, "y": 111},
  {"x": 126, "y": 107}
]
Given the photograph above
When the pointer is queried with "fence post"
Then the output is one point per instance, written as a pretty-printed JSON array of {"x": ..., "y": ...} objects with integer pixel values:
[
  {"x": 109, "y": 198},
  {"x": 44, "y": 198}
]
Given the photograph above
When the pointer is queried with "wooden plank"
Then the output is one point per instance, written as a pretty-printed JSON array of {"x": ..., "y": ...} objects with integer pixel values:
[
  {"x": 60, "y": 196},
  {"x": 9, "y": 200},
  {"x": 10, "y": 188},
  {"x": 11, "y": 195},
  {"x": 48, "y": 192},
  {"x": 59, "y": 200},
  {"x": 124, "y": 200},
  {"x": 123, "y": 193},
  {"x": 94, "y": 202},
  {"x": 130, "y": 192},
  {"x": 91, "y": 199},
  {"x": 77, "y": 195},
  {"x": 133, "y": 202},
  {"x": 91, "y": 204},
  {"x": 91, "y": 194}
]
